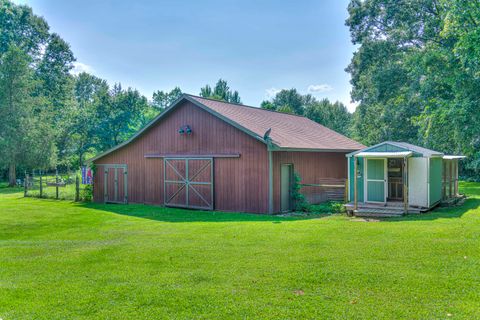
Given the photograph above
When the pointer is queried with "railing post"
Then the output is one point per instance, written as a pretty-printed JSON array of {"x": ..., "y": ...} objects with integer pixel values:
[
  {"x": 77, "y": 189},
  {"x": 345, "y": 195},
  {"x": 355, "y": 194},
  {"x": 405, "y": 185}
]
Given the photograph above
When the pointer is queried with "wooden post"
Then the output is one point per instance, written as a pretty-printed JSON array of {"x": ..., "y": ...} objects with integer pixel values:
[
  {"x": 56, "y": 183},
  {"x": 405, "y": 185},
  {"x": 355, "y": 194},
  {"x": 41, "y": 186},
  {"x": 25, "y": 184},
  {"x": 77, "y": 189},
  {"x": 444, "y": 179},
  {"x": 346, "y": 191},
  {"x": 450, "y": 191},
  {"x": 456, "y": 178}
]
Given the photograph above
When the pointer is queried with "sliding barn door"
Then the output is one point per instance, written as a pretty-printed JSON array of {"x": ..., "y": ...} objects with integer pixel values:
[{"x": 188, "y": 183}]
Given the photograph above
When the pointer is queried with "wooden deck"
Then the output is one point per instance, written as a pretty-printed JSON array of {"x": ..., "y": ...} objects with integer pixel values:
[{"x": 380, "y": 210}]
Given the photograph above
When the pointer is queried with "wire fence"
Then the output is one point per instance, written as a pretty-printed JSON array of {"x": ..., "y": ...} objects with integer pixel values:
[{"x": 56, "y": 185}]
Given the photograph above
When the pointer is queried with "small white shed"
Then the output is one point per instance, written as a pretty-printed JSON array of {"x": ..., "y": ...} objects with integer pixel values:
[{"x": 401, "y": 176}]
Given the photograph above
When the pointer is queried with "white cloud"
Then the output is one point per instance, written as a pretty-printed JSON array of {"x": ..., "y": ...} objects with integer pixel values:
[
  {"x": 79, "y": 67},
  {"x": 271, "y": 93},
  {"x": 319, "y": 88}
]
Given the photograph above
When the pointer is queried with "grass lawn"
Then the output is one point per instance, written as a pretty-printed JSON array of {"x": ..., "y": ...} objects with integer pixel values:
[{"x": 61, "y": 260}]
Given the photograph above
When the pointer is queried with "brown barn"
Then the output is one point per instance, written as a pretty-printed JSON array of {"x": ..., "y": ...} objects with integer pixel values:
[{"x": 206, "y": 154}]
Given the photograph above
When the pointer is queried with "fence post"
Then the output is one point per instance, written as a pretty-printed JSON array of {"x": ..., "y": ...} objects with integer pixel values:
[
  {"x": 25, "y": 182},
  {"x": 56, "y": 183},
  {"x": 41, "y": 186},
  {"x": 77, "y": 189}
]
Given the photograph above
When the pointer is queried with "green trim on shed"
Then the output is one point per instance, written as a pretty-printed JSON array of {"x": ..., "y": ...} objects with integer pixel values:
[
  {"x": 435, "y": 174},
  {"x": 386, "y": 148},
  {"x": 359, "y": 179}
]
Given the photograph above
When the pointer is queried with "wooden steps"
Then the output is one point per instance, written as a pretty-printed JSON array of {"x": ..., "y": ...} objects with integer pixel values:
[
  {"x": 385, "y": 212},
  {"x": 390, "y": 210}
]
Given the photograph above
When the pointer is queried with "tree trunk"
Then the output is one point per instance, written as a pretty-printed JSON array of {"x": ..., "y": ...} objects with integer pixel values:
[{"x": 12, "y": 175}]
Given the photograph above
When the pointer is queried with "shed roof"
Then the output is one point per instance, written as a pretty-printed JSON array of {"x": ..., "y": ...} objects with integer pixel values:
[
  {"x": 397, "y": 154},
  {"x": 424, "y": 152},
  {"x": 288, "y": 132}
]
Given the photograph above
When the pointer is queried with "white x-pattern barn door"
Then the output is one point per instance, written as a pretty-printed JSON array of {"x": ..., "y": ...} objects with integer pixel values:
[{"x": 188, "y": 182}]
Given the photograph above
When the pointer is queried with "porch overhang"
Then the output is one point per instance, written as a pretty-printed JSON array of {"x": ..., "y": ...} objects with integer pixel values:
[
  {"x": 399, "y": 154},
  {"x": 449, "y": 157}
]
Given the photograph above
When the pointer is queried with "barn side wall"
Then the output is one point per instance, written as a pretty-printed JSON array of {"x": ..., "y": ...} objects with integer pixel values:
[
  {"x": 240, "y": 184},
  {"x": 313, "y": 168}
]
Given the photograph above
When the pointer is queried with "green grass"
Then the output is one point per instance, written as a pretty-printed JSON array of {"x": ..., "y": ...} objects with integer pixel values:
[{"x": 62, "y": 260}]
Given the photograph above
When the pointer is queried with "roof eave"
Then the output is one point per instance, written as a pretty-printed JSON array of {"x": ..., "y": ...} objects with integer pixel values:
[
  {"x": 167, "y": 111},
  {"x": 290, "y": 149}
]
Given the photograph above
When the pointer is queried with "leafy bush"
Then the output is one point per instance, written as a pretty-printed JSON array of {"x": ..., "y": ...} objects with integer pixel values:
[
  {"x": 300, "y": 203},
  {"x": 328, "y": 207},
  {"x": 87, "y": 193}
]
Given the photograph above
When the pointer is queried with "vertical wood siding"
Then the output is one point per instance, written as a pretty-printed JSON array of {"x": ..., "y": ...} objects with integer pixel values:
[
  {"x": 313, "y": 168},
  {"x": 240, "y": 184}
]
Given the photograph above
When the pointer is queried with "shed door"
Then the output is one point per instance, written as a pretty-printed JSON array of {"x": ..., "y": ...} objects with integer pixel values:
[
  {"x": 188, "y": 183},
  {"x": 286, "y": 177},
  {"x": 376, "y": 180},
  {"x": 115, "y": 184}
]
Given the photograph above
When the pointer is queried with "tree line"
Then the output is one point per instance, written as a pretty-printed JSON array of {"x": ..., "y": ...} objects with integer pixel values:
[
  {"x": 415, "y": 75},
  {"x": 52, "y": 118}
]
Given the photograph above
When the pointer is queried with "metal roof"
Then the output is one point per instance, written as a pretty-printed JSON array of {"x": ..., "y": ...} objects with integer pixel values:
[
  {"x": 287, "y": 132},
  {"x": 404, "y": 145},
  {"x": 424, "y": 151},
  {"x": 452, "y": 157}
]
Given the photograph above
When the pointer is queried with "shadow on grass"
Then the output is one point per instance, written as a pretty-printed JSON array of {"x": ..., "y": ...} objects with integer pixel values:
[
  {"x": 164, "y": 214},
  {"x": 7, "y": 190},
  {"x": 441, "y": 212},
  {"x": 470, "y": 189}
]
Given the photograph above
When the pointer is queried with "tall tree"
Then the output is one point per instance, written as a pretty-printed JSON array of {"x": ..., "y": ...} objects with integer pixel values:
[
  {"x": 25, "y": 136},
  {"x": 19, "y": 26},
  {"x": 163, "y": 99},
  {"x": 120, "y": 115},
  {"x": 289, "y": 100},
  {"x": 332, "y": 115},
  {"x": 221, "y": 91},
  {"x": 417, "y": 70},
  {"x": 83, "y": 123}
]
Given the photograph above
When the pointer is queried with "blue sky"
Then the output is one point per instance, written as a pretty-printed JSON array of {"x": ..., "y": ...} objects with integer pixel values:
[{"x": 258, "y": 46}]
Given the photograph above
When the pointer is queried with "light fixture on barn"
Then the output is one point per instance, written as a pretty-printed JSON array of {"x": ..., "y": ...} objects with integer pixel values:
[{"x": 185, "y": 130}]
